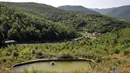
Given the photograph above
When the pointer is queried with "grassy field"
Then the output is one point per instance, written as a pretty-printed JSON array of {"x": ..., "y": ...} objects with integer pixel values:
[{"x": 105, "y": 56}]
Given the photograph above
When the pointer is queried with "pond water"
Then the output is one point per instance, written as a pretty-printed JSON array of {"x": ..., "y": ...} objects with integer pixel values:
[{"x": 63, "y": 66}]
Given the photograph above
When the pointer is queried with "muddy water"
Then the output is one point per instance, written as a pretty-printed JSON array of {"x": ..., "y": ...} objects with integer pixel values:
[{"x": 63, "y": 66}]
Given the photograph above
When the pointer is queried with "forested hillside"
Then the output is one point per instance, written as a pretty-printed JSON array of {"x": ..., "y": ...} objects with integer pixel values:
[
  {"x": 34, "y": 22},
  {"x": 102, "y": 39},
  {"x": 21, "y": 26},
  {"x": 122, "y": 12},
  {"x": 39, "y": 19},
  {"x": 78, "y": 9}
]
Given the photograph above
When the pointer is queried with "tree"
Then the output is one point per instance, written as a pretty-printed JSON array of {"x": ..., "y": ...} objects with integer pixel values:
[
  {"x": 5, "y": 27},
  {"x": 1, "y": 36},
  {"x": 13, "y": 34}
]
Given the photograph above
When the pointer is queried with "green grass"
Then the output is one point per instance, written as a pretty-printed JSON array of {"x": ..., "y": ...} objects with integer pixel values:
[
  {"x": 101, "y": 50},
  {"x": 21, "y": 53}
]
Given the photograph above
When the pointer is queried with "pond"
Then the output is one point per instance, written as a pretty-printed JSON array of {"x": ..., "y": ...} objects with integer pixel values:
[{"x": 54, "y": 66}]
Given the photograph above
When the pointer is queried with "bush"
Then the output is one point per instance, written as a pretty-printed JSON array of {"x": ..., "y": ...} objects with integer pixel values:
[
  {"x": 90, "y": 55},
  {"x": 116, "y": 51},
  {"x": 98, "y": 59},
  {"x": 15, "y": 54},
  {"x": 33, "y": 52},
  {"x": 126, "y": 51},
  {"x": 65, "y": 55},
  {"x": 40, "y": 55}
]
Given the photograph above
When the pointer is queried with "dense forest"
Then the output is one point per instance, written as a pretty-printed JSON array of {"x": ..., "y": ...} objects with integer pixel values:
[
  {"x": 35, "y": 22},
  {"x": 17, "y": 25}
]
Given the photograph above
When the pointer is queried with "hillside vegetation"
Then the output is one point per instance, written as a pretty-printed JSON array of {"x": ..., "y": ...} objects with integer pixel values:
[
  {"x": 22, "y": 26},
  {"x": 78, "y": 9},
  {"x": 34, "y": 22},
  {"x": 105, "y": 40},
  {"x": 122, "y": 12}
]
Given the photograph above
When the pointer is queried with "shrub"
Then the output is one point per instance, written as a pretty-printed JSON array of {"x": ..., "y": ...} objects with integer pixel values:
[
  {"x": 98, "y": 59},
  {"x": 126, "y": 52},
  {"x": 33, "y": 52},
  {"x": 15, "y": 54},
  {"x": 65, "y": 55},
  {"x": 116, "y": 51},
  {"x": 89, "y": 55},
  {"x": 40, "y": 55}
]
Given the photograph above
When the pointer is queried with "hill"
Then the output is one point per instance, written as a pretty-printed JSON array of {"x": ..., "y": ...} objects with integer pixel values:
[
  {"x": 102, "y": 39},
  {"x": 20, "y": 21},
  {"x": 28, "y": 22},
  {"x": 78, "y": 9},
  {"x": 122, "y": 12}
]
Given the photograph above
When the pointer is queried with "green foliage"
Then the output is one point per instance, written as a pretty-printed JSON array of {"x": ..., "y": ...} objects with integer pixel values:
[
  {"x": 93, "y": 49},
  {"x": 1, "y": 36},
  {"x": 126, "y": 51},
  {"x": 79, "y": 9},
  {"x": 31, "y": 22},
  {"x": 122, "y": 12},
  {"x": 21, "y": 26}
]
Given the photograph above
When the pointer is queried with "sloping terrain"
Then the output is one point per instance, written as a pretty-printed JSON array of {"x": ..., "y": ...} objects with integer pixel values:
[
  {"x": 49, "y": 23},
  {"x": 106, "y": 41},
  {"x": 78, "y": 9},
  {"x": 122, "y": 12}
]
